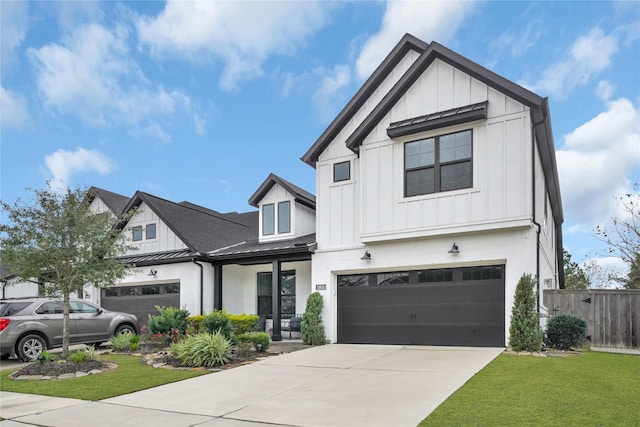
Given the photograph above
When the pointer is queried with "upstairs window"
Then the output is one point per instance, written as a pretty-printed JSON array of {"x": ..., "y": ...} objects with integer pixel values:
[
  {"x": 441, "y": 163},
  {"x": 136, "y": 233},
  {"x": 150, "y": 231},
  {"x": 284, "y": 217},
  {"x": 342, "y": 171},
  {"x": 268, "y": 218}
]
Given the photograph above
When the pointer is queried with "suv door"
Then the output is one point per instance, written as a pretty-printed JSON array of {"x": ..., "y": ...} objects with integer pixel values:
[
  {"x": 49, "y": 318},
  {"x": 92, "y": 324}
]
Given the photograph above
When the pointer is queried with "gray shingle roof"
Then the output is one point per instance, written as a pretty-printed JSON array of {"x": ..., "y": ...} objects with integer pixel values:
[{"x": 115, "y": 202}]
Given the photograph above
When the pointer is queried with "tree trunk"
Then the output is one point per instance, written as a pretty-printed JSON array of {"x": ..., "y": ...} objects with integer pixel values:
[{"x": 65, "y": 326}]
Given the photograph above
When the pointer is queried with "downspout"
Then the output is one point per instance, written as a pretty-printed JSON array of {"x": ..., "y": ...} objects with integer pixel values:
[
  {"x": 533, "y": 197},
  {"x": 201, "y": 284}
]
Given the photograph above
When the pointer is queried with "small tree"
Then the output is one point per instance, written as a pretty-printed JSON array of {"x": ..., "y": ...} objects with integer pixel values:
[
  {"x": 311, "y": 329},
  {"x": 525, "y": 333},
  {"x": 623, "y": 237},
  {"x": 58, "y": 241},
  {"x": 575, "y": 276}
]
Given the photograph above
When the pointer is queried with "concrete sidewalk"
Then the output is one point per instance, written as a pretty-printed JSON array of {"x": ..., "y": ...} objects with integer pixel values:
[{"x": 332, "y": 385}]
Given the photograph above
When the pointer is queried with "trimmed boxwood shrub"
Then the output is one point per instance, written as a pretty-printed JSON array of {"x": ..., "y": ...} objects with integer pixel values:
[
  {"x": 217, "y": 321},
  {"x": 243, "y": 323},
  {"x": 312, "y": 329},
  {"x": 169, "y": 318},
  {"x": 565, "y": 331},
  {"x": 255, "y": 338}
]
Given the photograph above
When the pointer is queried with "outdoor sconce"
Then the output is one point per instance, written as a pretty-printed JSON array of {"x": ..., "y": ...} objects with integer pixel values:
[
  {"x": 153, "y": 272},
  {"x": 366, "y": 256},
  {"x": 454, "y": 249}
]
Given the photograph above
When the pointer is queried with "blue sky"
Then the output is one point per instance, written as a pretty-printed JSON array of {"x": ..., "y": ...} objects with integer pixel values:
[{"x": 200, "y": 101}]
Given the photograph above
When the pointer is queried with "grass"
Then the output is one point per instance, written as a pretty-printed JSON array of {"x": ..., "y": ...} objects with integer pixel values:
[
  {"x": 131, "y": 375},
  {"x": 593, "y": 389}
]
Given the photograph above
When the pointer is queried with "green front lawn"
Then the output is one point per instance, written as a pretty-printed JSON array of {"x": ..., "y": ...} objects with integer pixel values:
[
  {"x": 594, "y": 389},
  {"x": 131, "y": 375}
]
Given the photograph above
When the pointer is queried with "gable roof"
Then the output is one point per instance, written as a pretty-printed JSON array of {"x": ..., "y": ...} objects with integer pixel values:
[
  {"x": 407, "y": 43},
  {"x": 115, "y": 202},
  {"x": 199, "y": 228},
  {"x": 301, "y": 196}
]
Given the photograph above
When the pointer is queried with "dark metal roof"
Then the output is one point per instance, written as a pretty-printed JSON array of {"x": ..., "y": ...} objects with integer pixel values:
[
  {"x": 201, "y": 229},
  {"x": 301, "y": 196},
  {"x": 253, "y": 249},
  {"x": 437, "y": 120},
  {"x": 407, "y": 43},
  {"x": 115, "y": 202},
  {"x": 158, "y": 257}
]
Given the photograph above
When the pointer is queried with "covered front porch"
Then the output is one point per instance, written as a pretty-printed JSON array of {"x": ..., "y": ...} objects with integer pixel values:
[{"x": 271, "y": 280}]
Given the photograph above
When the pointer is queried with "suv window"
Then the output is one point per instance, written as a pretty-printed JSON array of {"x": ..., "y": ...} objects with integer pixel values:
[
  {"x": 50, "y": 308},
  {"x": 9, "y": 309},
  {"x": 80, "y": 307}
]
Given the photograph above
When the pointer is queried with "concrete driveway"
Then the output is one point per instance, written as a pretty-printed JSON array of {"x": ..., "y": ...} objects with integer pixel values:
[{"x": 332, "y": 385}]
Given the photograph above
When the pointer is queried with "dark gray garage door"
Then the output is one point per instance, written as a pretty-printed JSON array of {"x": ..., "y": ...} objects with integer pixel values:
[
  {"x": 141, "y": 300},
  {"x": 463, "y": 307}
]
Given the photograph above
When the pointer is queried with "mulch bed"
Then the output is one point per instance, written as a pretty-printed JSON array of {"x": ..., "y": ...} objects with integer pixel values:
[{"x": 55, "y": 368}]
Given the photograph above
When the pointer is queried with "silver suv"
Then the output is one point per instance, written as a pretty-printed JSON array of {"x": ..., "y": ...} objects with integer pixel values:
[{"x": 30, "y": 325}]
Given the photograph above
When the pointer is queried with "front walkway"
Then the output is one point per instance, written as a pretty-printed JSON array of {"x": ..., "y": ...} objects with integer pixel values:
[{"x": 332, "y": 385}]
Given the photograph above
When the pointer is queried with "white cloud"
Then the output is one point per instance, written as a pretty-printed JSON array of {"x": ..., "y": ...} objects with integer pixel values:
[
  {"x": 589, "y": 55},
  {"x": 241, "y": 34},
  {"x": 604, "y": 90},
  {"x": 14, "y": 23},
  {"x": 327, "y": 97},
  {"x": 63, "y": 164},
  {"x": 199, "y": 124},
  {"x": 156, "y": 131},
  {"x": 424, "y": 19},
  {"x": 596, "y": 162},
  {"x": 13, "y": 108},
  {"x": 91, "y": 75}
]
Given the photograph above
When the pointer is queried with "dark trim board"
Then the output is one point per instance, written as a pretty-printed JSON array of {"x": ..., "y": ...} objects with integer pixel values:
[{"x": 455, "y": 313}]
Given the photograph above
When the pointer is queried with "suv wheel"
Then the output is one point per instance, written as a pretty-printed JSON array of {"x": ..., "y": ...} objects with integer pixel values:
[
  {"x": 31, "y": 346},
  {"x": 125, "y": 329}
]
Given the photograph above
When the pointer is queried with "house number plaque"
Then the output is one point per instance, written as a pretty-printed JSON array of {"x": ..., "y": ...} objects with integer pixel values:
[{"x": 322, "y": 287}]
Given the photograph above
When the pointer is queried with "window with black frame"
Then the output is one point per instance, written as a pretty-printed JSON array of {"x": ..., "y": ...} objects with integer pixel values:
[
  {"x": 440, "y": 163},
  {"x": 288, "y": 294}
]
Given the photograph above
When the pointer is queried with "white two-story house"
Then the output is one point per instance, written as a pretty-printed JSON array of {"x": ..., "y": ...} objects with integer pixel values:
[{"x": 437, "y": 189}]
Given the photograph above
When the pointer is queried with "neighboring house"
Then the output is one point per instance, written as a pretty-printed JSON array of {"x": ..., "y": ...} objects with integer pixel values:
[
  {"x": 196, "y": 258},
  {"x": 437, "y": 188}
]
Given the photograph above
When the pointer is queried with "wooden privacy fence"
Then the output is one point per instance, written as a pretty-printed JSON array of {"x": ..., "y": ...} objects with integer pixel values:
[{"x": 612, "y": 315}]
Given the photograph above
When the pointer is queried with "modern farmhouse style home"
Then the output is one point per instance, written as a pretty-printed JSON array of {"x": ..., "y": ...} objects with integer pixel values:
[{"x": 437, "y": 189}]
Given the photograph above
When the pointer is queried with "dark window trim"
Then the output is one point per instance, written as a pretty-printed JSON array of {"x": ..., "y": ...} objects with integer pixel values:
[
  {"x": 273, "y": 225},
  {"x": 155, "y": 231},
  {"x": 288, "y": 229},
  {"x": 436, "y": 164},
  {"x": 133, "y": 233},
  {"x": 348, "y": 178},
  {"x": 283, "y": 273}
]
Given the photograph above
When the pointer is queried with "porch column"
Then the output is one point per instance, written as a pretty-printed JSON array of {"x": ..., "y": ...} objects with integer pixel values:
[
  {"x": 217, "y": 286},
  {"x": 276, "y": 299}
]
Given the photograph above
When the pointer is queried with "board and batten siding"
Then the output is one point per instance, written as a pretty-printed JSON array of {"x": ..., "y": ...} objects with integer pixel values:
[
  {"x": 372, "y": 207},
  {"x": 166, "y": 239},
  {"x": 302, "y": 218}
]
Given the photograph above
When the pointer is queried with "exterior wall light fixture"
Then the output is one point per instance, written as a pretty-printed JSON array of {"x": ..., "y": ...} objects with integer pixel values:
[
  {"x": 153, "y": 272},
  {"x": 366, "y": 256},
  {"x": 454, "y": 249}
]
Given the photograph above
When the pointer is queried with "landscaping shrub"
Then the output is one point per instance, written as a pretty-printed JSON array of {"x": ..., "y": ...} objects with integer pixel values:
[
  {"x": 255, "y": 338},
  {"x": 243, "y": 323},
  {"x": 202, "y": 349},
  {"x": 565, "y": 331},
  {"x": 83, "y": 355},
  {"x": 312, "y": 329},
  {"x": 217, "y": 321},
  {"x": 169, "y": 318},
  {"x": 525, "y": 333},
  {"x": 125, "y": 342},
  {"x": 194, "y": 324},
  {"x": 47, "y": 356},
  {"x": 243, "y": 350}
]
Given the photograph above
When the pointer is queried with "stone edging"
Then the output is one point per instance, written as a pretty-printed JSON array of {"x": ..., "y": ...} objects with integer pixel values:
[{"x": 77, "y": 374}]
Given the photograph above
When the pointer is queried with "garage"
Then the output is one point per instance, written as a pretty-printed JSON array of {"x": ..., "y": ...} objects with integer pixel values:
[
  {"x": 141, "y": 300},
  {"x": 457, "y": 307}
]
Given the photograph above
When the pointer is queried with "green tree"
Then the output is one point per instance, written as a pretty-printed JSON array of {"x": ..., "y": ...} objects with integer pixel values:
[
  {"x": 525, "y": 333},
  {"x": 574, "y": 275},
  {"x": 59, "y": 241},
  {"x": 623, "y": 236}
]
